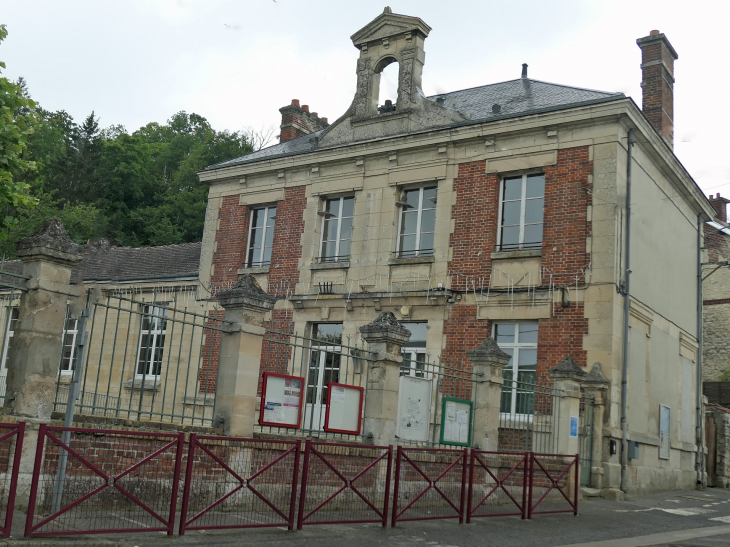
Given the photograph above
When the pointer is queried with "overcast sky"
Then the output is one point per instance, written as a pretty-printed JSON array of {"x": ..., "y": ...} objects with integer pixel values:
[{"x": 236, "y": 62}]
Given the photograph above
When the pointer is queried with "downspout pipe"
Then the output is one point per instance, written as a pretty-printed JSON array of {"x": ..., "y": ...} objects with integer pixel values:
[
  {"x": 627, "y": 308},
  {"x": 700, "y": 414}
]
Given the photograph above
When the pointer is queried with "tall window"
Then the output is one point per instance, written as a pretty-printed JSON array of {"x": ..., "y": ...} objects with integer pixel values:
[
  {"x": 152, "y": 341},
  {"x": 261, "y": 237},
  {"x": 9, "y": 331},
  {"x": 417, "y": 222},
  {"x": 337, "y": 229},
  {"x": 522, "y": 212},
  {"x": 520, "y": 341},
  {"x": 414, "y": 351},
  {"x": 69, "y": 357}
]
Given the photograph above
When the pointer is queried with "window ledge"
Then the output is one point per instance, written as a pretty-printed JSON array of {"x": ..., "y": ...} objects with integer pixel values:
[
  {"x": 263, "y": 270},
  {"x": 330, "y": 265},
  {"x": 525, "y": 253},
  {"x": 149, "y": 384},
  {"x": 404, "y": 261}
]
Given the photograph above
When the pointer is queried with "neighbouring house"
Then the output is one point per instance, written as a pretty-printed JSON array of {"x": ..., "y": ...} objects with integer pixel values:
[{"x": 500, "y": 210}]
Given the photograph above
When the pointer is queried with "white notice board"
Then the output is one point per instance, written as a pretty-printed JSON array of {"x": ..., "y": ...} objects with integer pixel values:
[
  {"x": 344, "y": 408},
  {"x": 414, "y": 408},
  {"x": 281, "y": 401},
  {"x": 456, "y": 421}
]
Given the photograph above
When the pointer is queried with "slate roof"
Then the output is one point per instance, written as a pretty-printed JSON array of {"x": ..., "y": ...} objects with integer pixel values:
[{"x": 515, "y": 97}]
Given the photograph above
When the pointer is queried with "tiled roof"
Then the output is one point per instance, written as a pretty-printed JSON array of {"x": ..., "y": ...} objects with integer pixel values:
[
  {"x": 515, "y": 97},
  {"x": 143, "y": 263}
]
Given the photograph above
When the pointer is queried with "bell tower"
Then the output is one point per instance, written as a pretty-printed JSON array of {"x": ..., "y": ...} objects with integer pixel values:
[{"x": 389, "y": 38}]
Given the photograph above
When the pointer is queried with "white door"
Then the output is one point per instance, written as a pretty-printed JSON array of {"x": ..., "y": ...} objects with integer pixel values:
[{"x": 324, "y": 367}]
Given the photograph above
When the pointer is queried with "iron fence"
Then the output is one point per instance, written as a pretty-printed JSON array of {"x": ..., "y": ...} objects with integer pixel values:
[
  {"x": 585, "y": 438},
  {"x": 11, "y": 446},
  {"x": 529, "y": 418},
  {"x": 146, "y": 359}
]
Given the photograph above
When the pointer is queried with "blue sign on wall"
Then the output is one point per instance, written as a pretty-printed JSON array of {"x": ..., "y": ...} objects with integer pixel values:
[{"x": 574, "y": 426}]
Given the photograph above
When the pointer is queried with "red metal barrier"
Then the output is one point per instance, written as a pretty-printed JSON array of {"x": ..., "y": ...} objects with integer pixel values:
[
  {"x": 11, "y": 445},
  {"x": 499, "y": 480},
  {"x": 112, "y": 481},
  {"x": 442, "y": 472},
  {"x": 554, "y": 483},
  {"x": 240, "y": 483},
  {"x": 345, "y": 483}
]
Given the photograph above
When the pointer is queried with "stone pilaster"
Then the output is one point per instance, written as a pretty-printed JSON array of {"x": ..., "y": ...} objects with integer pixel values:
[
  {"x": 245, "y": 303},
  {"x": 567, "y": 376},
  {"x": 596, "y": 385},
  {"x": 48, "y": 257},
  {"x": 488, "y": 362},
  {"x": 385, "y": 337}
]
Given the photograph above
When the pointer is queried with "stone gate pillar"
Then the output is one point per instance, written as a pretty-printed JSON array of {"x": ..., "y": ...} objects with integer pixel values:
[
  {"x": 385, "y": 337},
  {"x": 596, "y": 384},
  {"x": 48, "y": 257},
  {"x": 245, "y": 303},
  {"x": 488, "y": 362},
  {"x": 567, "y": 376}
]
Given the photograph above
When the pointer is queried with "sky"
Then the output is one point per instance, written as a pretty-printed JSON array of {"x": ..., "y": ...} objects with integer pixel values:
[{"x": 237, "y": 62}]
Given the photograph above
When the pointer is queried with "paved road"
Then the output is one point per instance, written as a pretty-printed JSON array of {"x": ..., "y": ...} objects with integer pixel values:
[{"x": 682, "y": 519}]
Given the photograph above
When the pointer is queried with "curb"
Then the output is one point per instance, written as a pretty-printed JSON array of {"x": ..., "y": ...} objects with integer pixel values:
[{"x": 57, "y": 542}]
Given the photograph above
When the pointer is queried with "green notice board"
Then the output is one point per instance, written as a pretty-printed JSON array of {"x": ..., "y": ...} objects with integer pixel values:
[{"x": 456, "y": 417}]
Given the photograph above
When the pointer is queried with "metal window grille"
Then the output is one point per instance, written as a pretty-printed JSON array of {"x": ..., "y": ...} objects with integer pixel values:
[
  {"x": 521, "y": 212},
  {"x": 417, "y": 222}
]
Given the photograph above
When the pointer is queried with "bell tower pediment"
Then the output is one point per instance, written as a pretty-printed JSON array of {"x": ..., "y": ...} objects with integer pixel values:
[{"x": 389, "y": 38}]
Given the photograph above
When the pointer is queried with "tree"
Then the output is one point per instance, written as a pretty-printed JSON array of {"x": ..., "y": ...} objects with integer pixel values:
[{"x": 16, "y": 124}]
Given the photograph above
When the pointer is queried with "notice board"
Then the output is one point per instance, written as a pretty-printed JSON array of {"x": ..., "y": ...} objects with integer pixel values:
[
  {"x": 344, "y": 408},
  {"x": 456, "y": 420},
  {"x": 281, "y": 400},
  {"x": 414, "y": 408}
]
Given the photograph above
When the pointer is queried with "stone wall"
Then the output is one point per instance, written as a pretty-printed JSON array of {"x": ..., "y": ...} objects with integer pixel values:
[{"x": 716, "y": 311}]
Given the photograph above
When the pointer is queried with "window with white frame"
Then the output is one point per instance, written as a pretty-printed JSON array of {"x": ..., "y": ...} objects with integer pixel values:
[
  {"x": 261, "y": 237},
  {"x": 69, "y": 357},
  {"x": 521, "y": 212},
  {"x": 414, "y": 351},
  {"x": 417, "y": 222},
  {"x": 11, "y": 320},
  {"x": 151, "y": 341},
  {"x": 519, "y": 340},
  {"x": 336, "y": 229}
]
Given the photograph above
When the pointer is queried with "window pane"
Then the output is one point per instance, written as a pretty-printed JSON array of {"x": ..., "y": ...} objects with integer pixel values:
[
  {"x": 329, "y": 249},
  {"x": 528, "y": 333},
  {"x": 272, "y": 213},
  {"x": 348, "y": 206},
  {"x": 333, "y": 206},
  {"x": 533, "y": 210},
  {"x": 346, "y": 230},
  {"x": 330, "y": 228},
  {"x": 269, "y": 237},
  {"x": 426, "y": 244},
  {"x": 533, "y": 235},
  {"x": 266, "y": 258},
  {"x": 257, "y": 237},
  {"x": 512, "y": 188},
  {"x": 535, "y": 186},
  {"x": 344, "y": 248},
  {"x": 505, "y": 333},
  {"x": 258, "y": 218},
  {"x": 429, "y": 197},
  {"x": 506, "y": 402},
  {"x": 418, "y": 334},
  {"x": 510, "y": 236},
  {"x": 412, "y": 197},
  {"x": 252, "y": 257},
  {"x": 407, "y": 244},
  {"x": 511, "y": 213},
  {"x": 428, "y": 220},
  {"x": 410, "y": 219},
  {"x": 528, "y": 358},
  {"x": 329, "y": 332}
]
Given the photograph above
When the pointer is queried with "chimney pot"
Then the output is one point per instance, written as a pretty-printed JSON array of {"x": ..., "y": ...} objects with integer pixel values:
[
  {"x": 294, "y": 125},
  {"x": 305, "y": 107},
  {"x": 314, "y": 114},
  {"x": 720, "y": 205},
  {"x": 653, "y": 32},
  {"x": 324, "y": 120},
  {"x": 524, "y": 70},
  {"x": 295, "y": 102}
]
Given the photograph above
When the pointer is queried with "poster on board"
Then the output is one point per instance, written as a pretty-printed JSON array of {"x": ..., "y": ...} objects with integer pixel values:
[
  {"x": 456, "y": 419},
  {"x": 344, "y": 408},
  {"x": 414, "y": 409},
  {"x": 281, "y": 400},
  {"x": 665, "y": 414}
]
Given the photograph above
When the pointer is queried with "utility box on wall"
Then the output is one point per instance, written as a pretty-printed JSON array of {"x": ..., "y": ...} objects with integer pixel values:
[{"x": 633, "y": 450}]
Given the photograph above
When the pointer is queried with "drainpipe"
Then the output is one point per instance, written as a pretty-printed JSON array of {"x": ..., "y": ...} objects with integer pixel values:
[
  {"x": 700, "y": 418},
  {"x": 627, "y": 307}
]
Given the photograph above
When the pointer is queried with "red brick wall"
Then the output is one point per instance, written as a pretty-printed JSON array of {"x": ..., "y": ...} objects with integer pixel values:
[
  {"x": 231, "y": 241},
  {"x": 560, "y": 336},
  {"x": 463, "y": 332},
  {"x": 287, "y": 248},
  {"x": 211, "y": 353},
  {"x": 718, "y": 245},
  {"x": 275, "y": 352},
  {"x": 297, "y": 121}
]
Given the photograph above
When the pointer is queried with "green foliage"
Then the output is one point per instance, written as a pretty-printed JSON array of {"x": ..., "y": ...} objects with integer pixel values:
[
  {"x": 134, "y": 189},
  {"x": 16, "y": 125},
  {"x": 725, "y": 376}
]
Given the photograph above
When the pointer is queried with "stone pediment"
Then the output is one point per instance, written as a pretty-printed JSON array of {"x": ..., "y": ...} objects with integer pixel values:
[{"x": 389, "y": 24}]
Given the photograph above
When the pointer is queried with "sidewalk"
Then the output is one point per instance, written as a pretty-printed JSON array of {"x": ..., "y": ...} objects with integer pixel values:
[{"x": 676, "y": 519}]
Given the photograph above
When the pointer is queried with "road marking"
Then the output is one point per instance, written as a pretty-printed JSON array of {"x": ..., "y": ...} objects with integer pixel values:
[
  {"x": 658, "y": 539},
  {"x": 687, "y": 512},
  {"x": 721, "y": 519}
]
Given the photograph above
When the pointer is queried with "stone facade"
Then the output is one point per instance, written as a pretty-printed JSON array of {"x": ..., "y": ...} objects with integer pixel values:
[{"x": 716, "y": 304}]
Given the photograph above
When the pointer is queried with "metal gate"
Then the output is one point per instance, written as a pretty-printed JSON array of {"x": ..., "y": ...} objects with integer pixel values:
[
  {"x": 497, "y": 484},
  {"x": 430, "y": 483},
  {"x": 240, "y": 483},
  {"x": 11, "y": 445},
  {"x": 345, "y": 483},
  {"x": 553, "y": 484},
  {"x": 92, "y": 481}
]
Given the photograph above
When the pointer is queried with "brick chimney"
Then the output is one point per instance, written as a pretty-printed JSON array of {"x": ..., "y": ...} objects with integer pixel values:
[
  {"x": 657, "y": 82},
  {"x": 297, "y": 121},
  {"x": 720, "y": 205}
]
